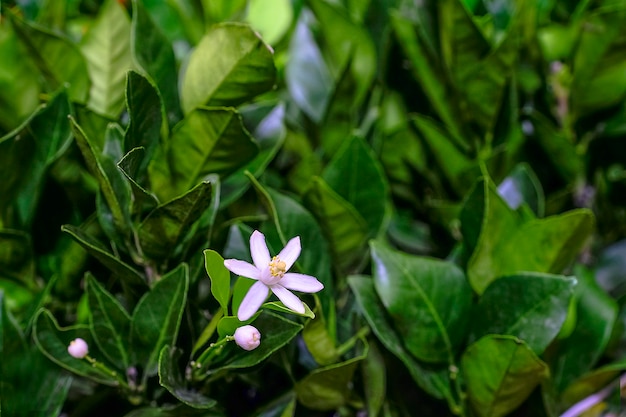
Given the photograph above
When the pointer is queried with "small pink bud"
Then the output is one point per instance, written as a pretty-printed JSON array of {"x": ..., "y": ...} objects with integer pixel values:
[
  {"x": 248, "y": 337},
  {"x": 78, "y": 348}
]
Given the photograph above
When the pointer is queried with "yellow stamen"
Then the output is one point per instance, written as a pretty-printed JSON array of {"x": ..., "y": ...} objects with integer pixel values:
[{"x": 277, "y": 267}]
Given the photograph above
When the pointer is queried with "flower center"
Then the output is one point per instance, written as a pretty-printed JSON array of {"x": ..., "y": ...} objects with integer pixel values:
[{"x": 277, "y": 267}]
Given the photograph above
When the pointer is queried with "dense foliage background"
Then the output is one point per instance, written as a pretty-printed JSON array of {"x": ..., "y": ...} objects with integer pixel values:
[{"x": 455, "y": 169}]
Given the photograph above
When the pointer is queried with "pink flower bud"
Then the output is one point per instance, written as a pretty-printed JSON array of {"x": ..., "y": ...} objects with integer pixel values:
[
  {"x": 78, "y": 348},
  {"x": 248, "y": 337}
]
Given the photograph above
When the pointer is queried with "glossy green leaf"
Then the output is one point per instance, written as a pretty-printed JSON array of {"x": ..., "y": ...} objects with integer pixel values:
[
  {"x": 57, "y": 58},
  {"x": 537, "y": 315},
  {"x": 270, "y": 133},
  {"x": 153, "y": 53},
  {"x": 166, "y": 225},
  {"x": 356, "y": 175},
  {"x": 105, "y": 256},
  {"x": 106, "y": 48},
  {"x": 144, "y": 110},
  {"x": 206, "y": 141},
  {"x": 522, "y": 186},
  {"x": 53, "y": 341},
  {"x": 318, "y": 341},
  {"x": 276, "y": 332},
  {"x": 219, "y": 278},
  {"x": 328, "y": 388},
  {"x": 428, "y": 300},
  {"x": 500, "y": 373},
  {"x": 113, "y": 184},
  {"x": 279, "y": 306},
  {"x": 343, "y": 226},
  {"x": 156, "y": 319},
  {"x": 143, "y": 200},
  {"x": 109, "y": 322},
  {"x": 307, "y": 76},
  {"x": 170, "y": 377},
  {"x": 595, "y": 316},
  {"x": 229, "y": 66},
  {"x": 434, "y": 383}
]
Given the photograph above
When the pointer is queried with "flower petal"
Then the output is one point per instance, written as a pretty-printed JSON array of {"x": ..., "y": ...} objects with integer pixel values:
[
  {"x": 290, "y": 252},
  {"x": 242, "y": 268},
  {"x": 301, "y": 282},
  {"x": 291, "y": 301},
  {"x": 252, "y": 301},
  {"x": 258, "y": 250}
]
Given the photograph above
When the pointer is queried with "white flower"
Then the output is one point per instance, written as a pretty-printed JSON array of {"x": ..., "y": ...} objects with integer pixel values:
[
  {"x": 248, "y": 337},
  {"x": 271, "y": 274},
  {"x": 78, "y": 348}
]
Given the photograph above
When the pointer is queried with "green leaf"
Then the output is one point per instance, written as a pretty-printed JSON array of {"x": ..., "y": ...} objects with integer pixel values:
[
  {"x": 16, "y": 257},
  {"x": 308, "y": 79},
  {"x": 426, "y": 69},
  {"x": 144, "y": 111},
  {"x": 153, "y": 53},
  {"x": 171, "y": 379},
  {"x": 96, "y": 249},
  {"x": 113, "y": 184},
  {"x": 522, "y": 186},
  {"x": 374, "y": 379},
  {"x": 229, "y": 66},
  {"x": 328, "y": 388},
  {"x": 156, "y": 319},
  {"x": 319, "y": 342},
  {"x": 596, "y": 313},
  {"x": 343, "y": 226},
  {"x": 593, "y": 382},
  {"x": 279, "y": 306},
  {"x": 500, "y": 373},
  {"x": 537, "y": 315},
  {"x": 53, "y": 342},
  {"x": 206, "y": 141},
  {"x": 435, "y": 383},
  {"x": 271, "y": 18},
  {"x": 143, "y": 200},
  {"x": 109, "y": 322},
  {"x": 166, "y": 225},
  {"x": 106, "y": 47},
  {"x": 276, "y": 332},
  {"x": 429, "y": 301},
  {"x": 356, "y": 175},
  {"x": 219, "y": 278},
  {"x": 270, "y": 133}
]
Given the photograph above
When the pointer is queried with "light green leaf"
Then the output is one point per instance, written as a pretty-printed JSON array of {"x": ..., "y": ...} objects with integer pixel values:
[
  {"x": 106, "y": 47},
  {"x": 109, "y": 322},
  {"x": 271, "y": 18},
  {"x": 219, "y": 278},
  {"x": 500, "y": 373},
  {"x": 428, "y": 300},
  {"x": 156, "y": 319},
  {"x": 207, "y": 141},
  {"x": 229, "y": 66},
  {"x": 537, "y": 315}
]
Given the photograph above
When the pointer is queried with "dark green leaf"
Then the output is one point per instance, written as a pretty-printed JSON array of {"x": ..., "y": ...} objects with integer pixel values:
[
  {"x": 434, "y": 383},
  {"x": 427, "y": 299},
  {"x": 154, "y": 54},
  {"x": 356, "y": 175},
  {"x": 110, "y": 323},
  {"x": 319, "y": 342},
  {"x": 219, "y": 278},
  {"x": 156, "y": 319},
  {"x": 170, "y": 377},
  {"x": 142, "y": 200},
  {"x": 206, "y": 141},
  {"x": 53, "y": 342},
  {"x": 537, "y": 314},
  {"x": 104, "y": 255},
  {"x": 166, "y": 225},
  {"x": 500, "y": 372},
  {"x": 229, "y": 66},
  {"x": 16, "y": 257}
]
